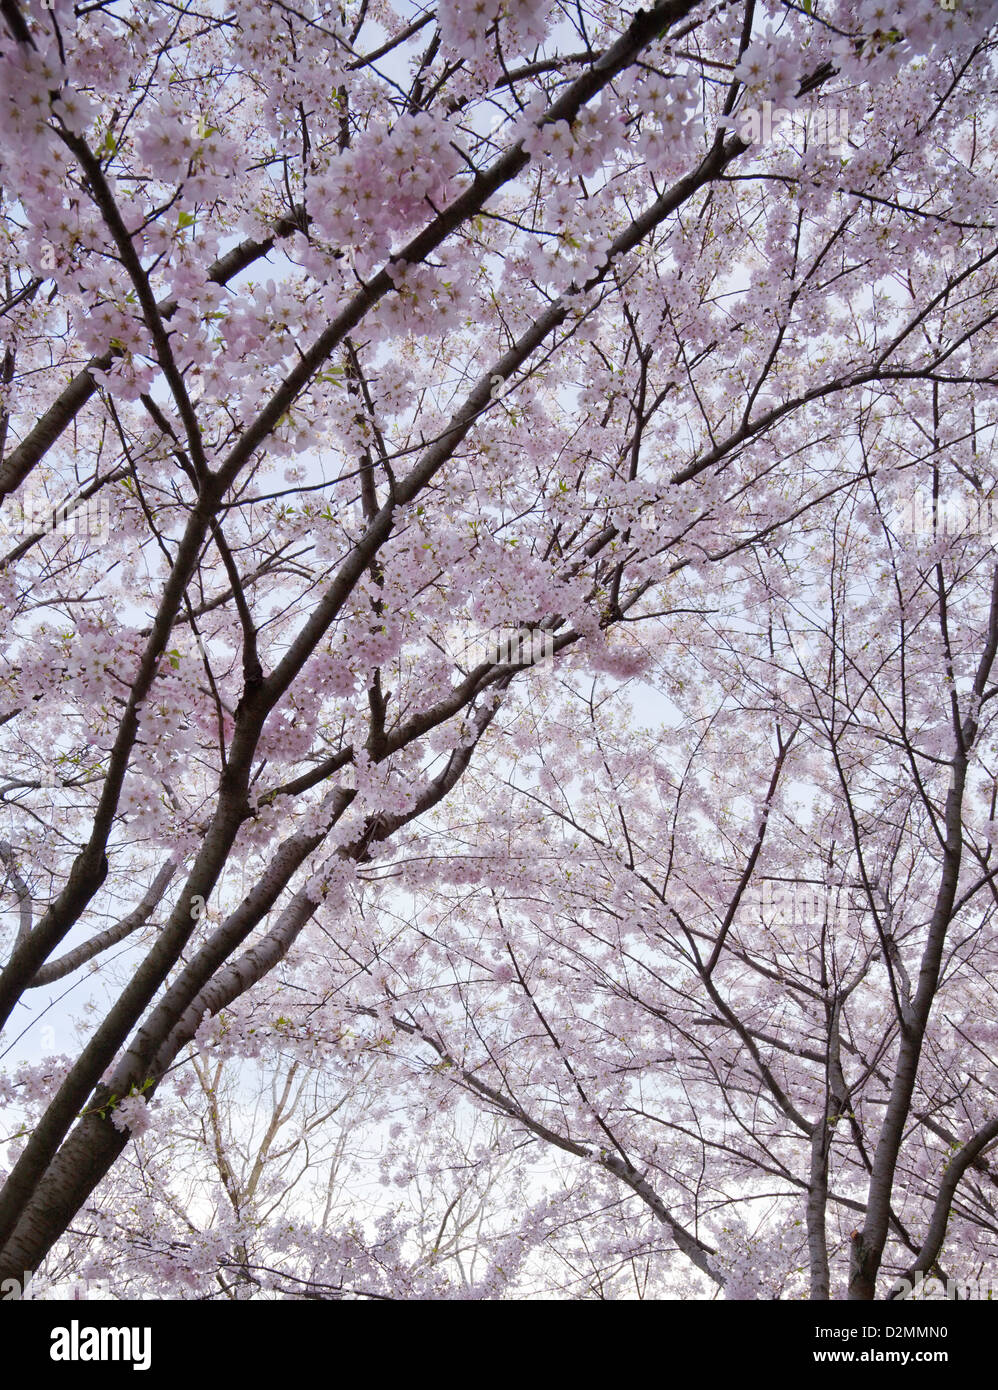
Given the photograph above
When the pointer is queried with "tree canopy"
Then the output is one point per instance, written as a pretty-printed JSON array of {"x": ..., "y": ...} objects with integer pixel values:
[{"x": 499, "y": 609}]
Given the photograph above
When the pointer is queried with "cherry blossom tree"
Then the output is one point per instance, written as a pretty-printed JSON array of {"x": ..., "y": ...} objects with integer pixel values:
[
  {"x": 478, "y": 596},
  {"x": 256, "y": 1182}
]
